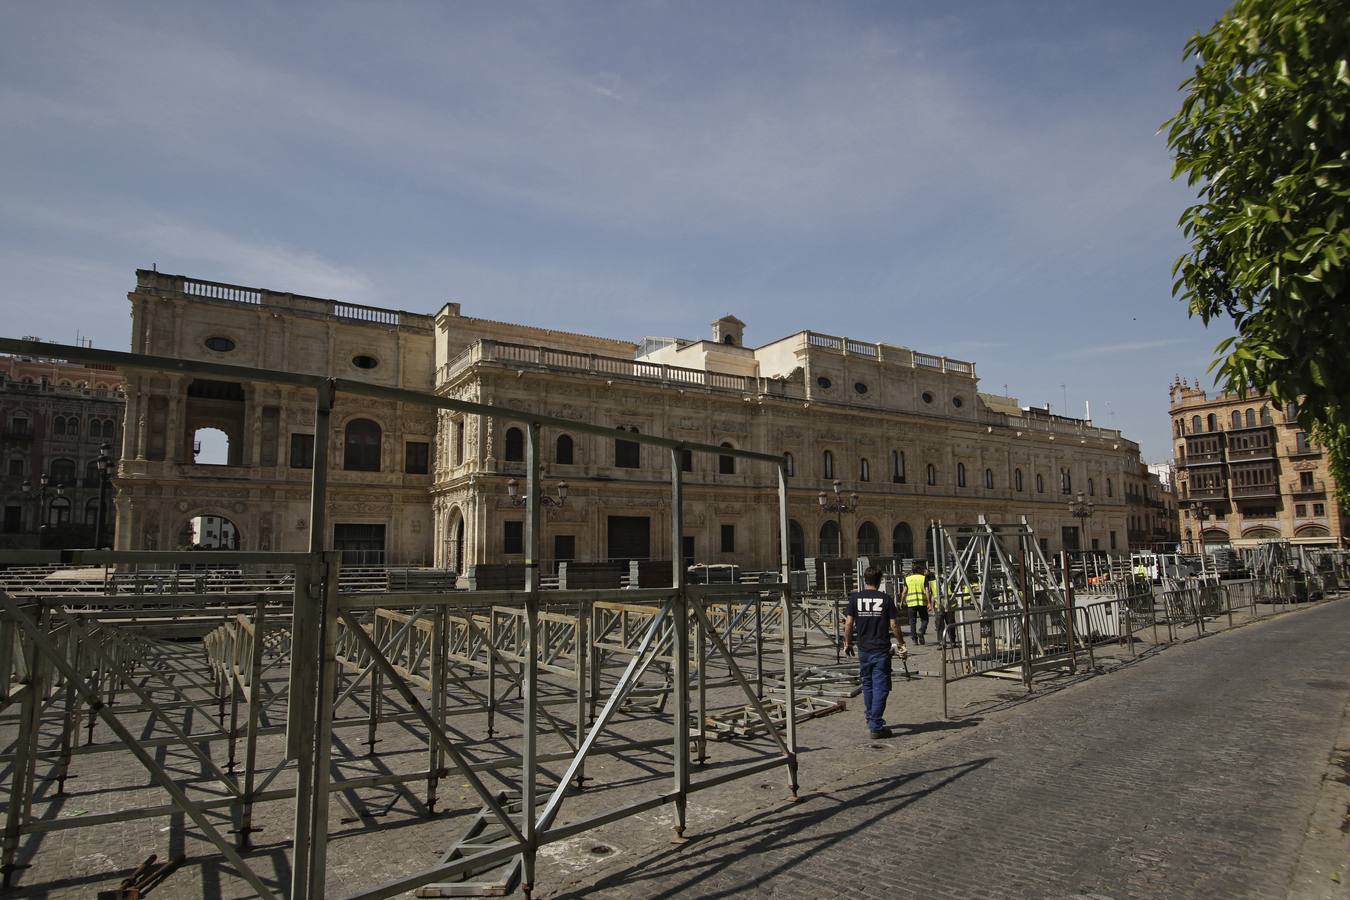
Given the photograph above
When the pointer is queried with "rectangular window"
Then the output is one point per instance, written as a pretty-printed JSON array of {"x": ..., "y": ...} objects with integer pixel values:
[
  {"x": 1319, "y": 509},
  {"x": 627, "y": 454},
  {"x": 687, "y": 549},
  {"x": 728, "y": 538},
  {"x": 459, "y": 442},
  {"x": 1305, "y": 480},
  {"x": 1300, "y": 509},
  {"x": 1301, "y": 442},
  {"x": 513, "y": 537},
  {"x": 302, "y": 451},
  {"x": 361, "y": 544},
  {"x": 13, "y": 518},
  {"x": 686, "y": 460},
  {"x": 16, "y": 468},
  {"x": 1113, "y": 540},
  {"x": 416, "y": 457},
  {"x": 564, "y": 547}
]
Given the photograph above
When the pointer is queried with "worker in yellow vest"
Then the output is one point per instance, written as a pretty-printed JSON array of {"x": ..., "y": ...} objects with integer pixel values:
[{"x": 918, "y": 601}]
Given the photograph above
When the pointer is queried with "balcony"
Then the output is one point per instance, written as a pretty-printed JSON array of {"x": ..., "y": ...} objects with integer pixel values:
[
  {"x": 1316, "y": 486},
  {"x": 1256, "y": 490},
  {"x": 17, "y": 434},
  {"x": 1305, "y": 452},
  {"x": 1212, "y": 458},
  {"x": 1248, "y": 453},
  {"x": 1218, "y": 492}
]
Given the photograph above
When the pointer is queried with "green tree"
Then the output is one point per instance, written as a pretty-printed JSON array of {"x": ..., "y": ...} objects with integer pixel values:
[{"x": 1263, "y": 133}]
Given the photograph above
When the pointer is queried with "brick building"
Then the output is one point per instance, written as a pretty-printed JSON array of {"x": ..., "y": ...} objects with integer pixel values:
[{"x": 1247, "y": 472}]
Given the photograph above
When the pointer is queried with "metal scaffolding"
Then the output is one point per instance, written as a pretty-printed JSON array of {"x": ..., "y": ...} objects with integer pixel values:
[{"x": 257, "y": 686}]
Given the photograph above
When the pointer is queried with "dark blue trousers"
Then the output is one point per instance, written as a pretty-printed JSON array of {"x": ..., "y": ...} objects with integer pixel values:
[{"x": 874, "y": 671}]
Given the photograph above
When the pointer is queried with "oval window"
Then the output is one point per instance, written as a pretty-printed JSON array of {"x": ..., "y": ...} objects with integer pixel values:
[
  {"x": 927, "y": 397},
  {"x": 365, "y": 362},
  {"x": 860, "y": 387},
  {"x": 824, "y": 383},
  {"x": 219, "y": 344},
  {"x": 956, "y": 401}
]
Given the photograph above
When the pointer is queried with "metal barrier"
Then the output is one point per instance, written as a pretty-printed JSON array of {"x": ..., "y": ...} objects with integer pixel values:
[{"x": 197, "y": 663}]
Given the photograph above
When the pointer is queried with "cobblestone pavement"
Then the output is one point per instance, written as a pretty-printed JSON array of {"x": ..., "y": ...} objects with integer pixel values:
[{"x": 1196, "y": 773}]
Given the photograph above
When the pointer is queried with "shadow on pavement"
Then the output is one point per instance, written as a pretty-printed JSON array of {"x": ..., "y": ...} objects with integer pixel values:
[{"x": 778, "y": 841}]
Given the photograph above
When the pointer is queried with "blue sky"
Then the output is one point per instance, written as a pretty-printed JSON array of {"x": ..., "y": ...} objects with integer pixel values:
[{"x": 980, "y": 180}]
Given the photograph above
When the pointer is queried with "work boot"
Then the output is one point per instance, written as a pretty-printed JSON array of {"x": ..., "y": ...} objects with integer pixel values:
[{"x": 881, "y": 733}]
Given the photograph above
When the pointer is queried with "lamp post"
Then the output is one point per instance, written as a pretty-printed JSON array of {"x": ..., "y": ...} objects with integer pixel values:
[
  {"x": 1200, "y": 511},
  {"x": 1081, "y": 508},
  {"x": 43, "y": 481},
  {"x": 104, "y": 465},
  {"x": 838, "y": 506},
  {"x": 517, "y": 499}
]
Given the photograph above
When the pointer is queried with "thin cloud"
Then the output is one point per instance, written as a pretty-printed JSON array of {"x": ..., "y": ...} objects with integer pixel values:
[{"x": 1123, "y": 347}]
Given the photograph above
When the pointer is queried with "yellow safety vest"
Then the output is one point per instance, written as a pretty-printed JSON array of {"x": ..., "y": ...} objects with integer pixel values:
[{"x": 914, "y": 589}]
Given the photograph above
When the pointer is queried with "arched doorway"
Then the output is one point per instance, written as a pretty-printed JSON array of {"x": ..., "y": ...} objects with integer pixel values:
[
  {"x": 207, "y": 532},
  {"x": 869, "y": 540},
  {"x": 829, "y": 541},
  {"x": 796, "y": 545},
  {"x": 454, "y": 542},
  {"x": 902, "y": 541}
]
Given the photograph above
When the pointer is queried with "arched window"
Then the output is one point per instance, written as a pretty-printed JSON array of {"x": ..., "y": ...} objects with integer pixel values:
[
  {"x": 73, "y": 425},
  {"x": 989, "y": 479},
  {"x": 58, "y": 513},
  {"x": 1065, "y": 481},
  {"x": 361, "y": 446},
  {"x": 726, "y": 465},
  {"x": 869, "y": 540},
  {"x": 898, "y": 466},
  {"x": 1237, "y": 419},
  {"x": 864, "y": 470},
  {"x": 1266, "y": 418},
  {"x": 827, "y": 460},
  {"x": 1017, "y": 479},
  {"x": 1212, "y": 422},
  {"x": 902, "y": 541},
  {"x": 459, "y": 442},
  {"x": 63, "y": 472},
  {"x": 59, "y": 425},
  {"x": 1092, "y": 488},
  {"x": 789, "y": 465},
  {"x": 932, "y": 474},
  {"x": 1176, "y": 428},
  {"x": 1196, "y": 427},
  {"x": 829, "y": 541},
  {"x": 562, "y": 450},
  {"x": 1040, "y": 484},
  {"x": 627, "y": 454},
  {"x": 95, "y": 428},
  {"x": 91, "y": 473},
  {"x": 960, "y": 474},
  {"x": 513, "y": 447},
  {"x": 1110, "y": 488},
  {"x": 1251, "y": 418},
  {"x": 91, "y": 511}
]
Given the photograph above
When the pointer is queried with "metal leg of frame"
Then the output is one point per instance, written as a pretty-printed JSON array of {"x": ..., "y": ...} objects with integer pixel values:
[{"x": 680, "y": 648}]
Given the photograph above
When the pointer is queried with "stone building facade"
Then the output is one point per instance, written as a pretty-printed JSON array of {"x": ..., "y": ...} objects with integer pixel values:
[
  {"x": 1247, "y": 472},
  {"x": 908, "y": 432},
  {"x": 54, "y": 417}
]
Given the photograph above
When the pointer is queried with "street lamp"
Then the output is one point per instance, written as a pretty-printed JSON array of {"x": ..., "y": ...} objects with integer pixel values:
[
  {"x": 513, "y": 492},
  {"x": 1081, "y": 508},
  {"x": 838, "y": 506},
  {"x": 104, "y": 465},
  {"x": 43, "y": 481},
  {"x": 1201, "y": 512}
]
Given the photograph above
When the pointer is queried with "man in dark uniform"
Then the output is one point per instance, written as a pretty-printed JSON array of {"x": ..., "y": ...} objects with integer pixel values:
[{"x": 872, "y": 618}]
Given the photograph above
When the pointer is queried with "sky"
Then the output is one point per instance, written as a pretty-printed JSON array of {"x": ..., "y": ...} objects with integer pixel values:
[{"x": 981, "y": 180}]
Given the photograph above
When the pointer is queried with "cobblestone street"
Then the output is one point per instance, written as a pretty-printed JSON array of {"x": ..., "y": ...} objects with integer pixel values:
[{"x": 1195, "y": 773}]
